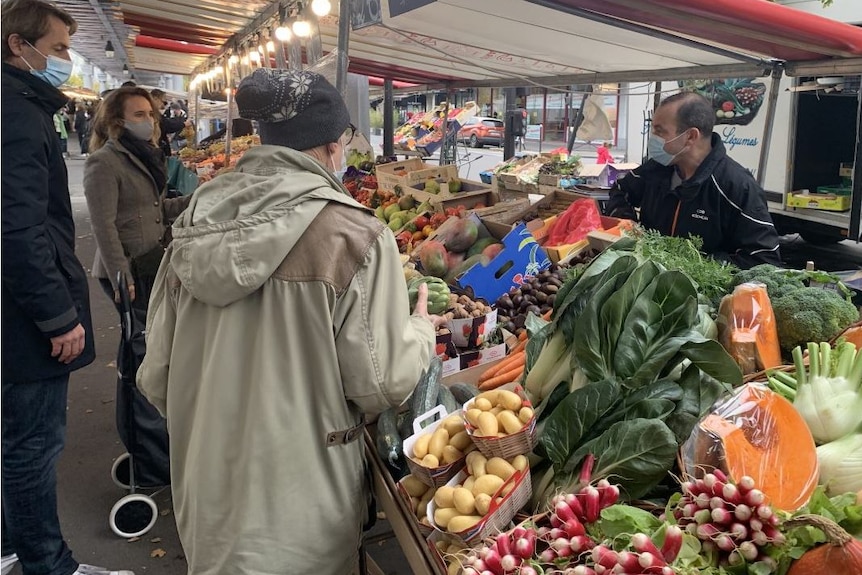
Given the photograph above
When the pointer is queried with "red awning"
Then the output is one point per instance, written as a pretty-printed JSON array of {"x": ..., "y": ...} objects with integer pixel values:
[{"x": 754, "y": 25}]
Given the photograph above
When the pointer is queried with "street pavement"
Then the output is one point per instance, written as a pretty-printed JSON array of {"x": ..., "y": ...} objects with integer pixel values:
[{"x": 86, "y": 491}]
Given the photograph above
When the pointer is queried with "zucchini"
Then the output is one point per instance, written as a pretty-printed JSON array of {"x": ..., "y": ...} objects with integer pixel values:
[
  {"x": 463, "y": 392},
  {"x": 425, "y": 395},
  {"x": 389, "y": 442},
  {"x": 447, "y": 400}
]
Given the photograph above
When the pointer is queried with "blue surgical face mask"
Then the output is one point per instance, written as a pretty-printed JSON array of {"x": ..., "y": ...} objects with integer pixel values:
[
  {"x": 656, "y": 151},
  {"x": 339, "y": 171},
  {"x": 56, "y": 72}
]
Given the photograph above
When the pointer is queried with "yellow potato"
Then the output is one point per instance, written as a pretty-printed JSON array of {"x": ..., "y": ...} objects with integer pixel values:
[
  {"x": 460, "y": 440},
  {"x": 483, "y": 404},
  {"x": 465, "y": 503},
  {"x": 453, "y": 568},
  {"x": 422, "y": 509},
  {"x": 441, "y": 546},
  {"x": 500, "y": 467},
  {"x": 444, "y": 496},
  {"x": 460, "y": 523},
  {"x": 413, "y": 486},
  {"x": 476, "y": 465},
  {"x": 451, "y": 455},
  {"x": 483, "y": 503},
  {"x": 488, "y": 484},
  {"x": 525, "y": 414},
  {"x": 488, "y": 425},
  {"x": 420, "y": 447},
  {"x": 508, "y": 489},
  {"x": 439, "y": 440},
  {"x": 491, "y": 396},
  {"x": 442, "y": 516},
  {"x": 414, "y": 504},
  {"x": 468, "y": 483},
  {"x": 520, "y": 462},
  {"x": 509, "y": 399},
  {"x": 472, "y": 416},
  {"x": 453, "y": 424},
  {"x": 497, "y": 409},
  {"x": 508, "y": 421},
  {"x": 430, "y": 461}
]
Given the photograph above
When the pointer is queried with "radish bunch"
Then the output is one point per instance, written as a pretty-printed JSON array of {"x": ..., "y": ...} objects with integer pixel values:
[
  {"x": 730, "y": 519},
  {"x": 645, "y": 558},
  {"x": 509, "y": 554}
]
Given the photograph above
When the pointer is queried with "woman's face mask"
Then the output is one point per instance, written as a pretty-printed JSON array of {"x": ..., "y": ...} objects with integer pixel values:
[{"x": 142, "y": 130}]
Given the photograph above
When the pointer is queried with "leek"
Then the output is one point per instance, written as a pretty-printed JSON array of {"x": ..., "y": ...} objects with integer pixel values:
[{"x": 829, "y": 394}]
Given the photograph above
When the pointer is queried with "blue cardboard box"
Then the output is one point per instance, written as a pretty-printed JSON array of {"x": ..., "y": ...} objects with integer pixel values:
[{"x": 522, "y": 258}]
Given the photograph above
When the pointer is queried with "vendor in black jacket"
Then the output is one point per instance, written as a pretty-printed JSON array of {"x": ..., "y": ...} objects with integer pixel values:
[{"x": 690, "y": 186}]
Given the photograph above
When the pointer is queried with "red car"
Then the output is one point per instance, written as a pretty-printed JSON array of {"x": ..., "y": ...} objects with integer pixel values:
[{"x": 480, "y": 131}]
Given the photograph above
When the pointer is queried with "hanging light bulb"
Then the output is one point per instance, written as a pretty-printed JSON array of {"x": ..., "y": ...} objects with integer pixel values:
[
  {"x": 283, "y": 34},
  {"x": 109, "y": 50},
  {"x": 270, "y": 46},
  {"x": 233, "y": 60},
  {"x": 321, "y": 7},
  {"x": 255, "y": 56},
  {"x": 302, "y": 28},
  {"x": 125, "y": 70},
  {"x": 244, "y": 61}
]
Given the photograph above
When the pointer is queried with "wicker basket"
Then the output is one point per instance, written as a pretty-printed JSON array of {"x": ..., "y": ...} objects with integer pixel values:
[
  {"x": 425, "y": 530},
  {"x": 509, "y": 446},
  {"x": 437, "y": 476},
  {"x": 499, "y": 516}
]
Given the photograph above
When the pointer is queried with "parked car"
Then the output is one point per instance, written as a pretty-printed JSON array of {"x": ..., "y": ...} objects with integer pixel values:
[{"x": 480, "y": 131}]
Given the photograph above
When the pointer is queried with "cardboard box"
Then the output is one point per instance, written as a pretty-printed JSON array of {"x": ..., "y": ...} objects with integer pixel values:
[
  {"x": 479, "y": 195},
  {"x": 408, "y": 173},
  {"x": 482, "y": 357},
  {"x": 471, "y": 333},
  {"x": 446, "y": 351},
  {"x": 604, "y": 175},
  {"x": 831, "y": 202},
  {"x": 522, "y": 257}
]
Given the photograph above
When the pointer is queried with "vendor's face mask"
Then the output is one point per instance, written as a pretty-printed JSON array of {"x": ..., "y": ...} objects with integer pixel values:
[{"x": 656, "y": 149}]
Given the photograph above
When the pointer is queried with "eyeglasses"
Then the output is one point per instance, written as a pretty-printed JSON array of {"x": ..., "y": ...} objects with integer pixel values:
[{"x": 348, "y": 134}]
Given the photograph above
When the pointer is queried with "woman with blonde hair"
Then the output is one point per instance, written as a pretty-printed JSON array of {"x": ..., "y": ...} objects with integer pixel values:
[{"x": 125, "y": 181}]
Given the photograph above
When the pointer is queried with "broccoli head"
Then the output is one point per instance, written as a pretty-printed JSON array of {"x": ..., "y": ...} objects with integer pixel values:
[
  {"x": 779, "y": 282},
  {"x": 811, "y": 314}
]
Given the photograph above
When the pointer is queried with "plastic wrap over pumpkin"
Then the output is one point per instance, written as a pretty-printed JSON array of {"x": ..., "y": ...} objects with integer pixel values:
[
  {"x": 747, "y": 328},
  {"x": 757, "y": 433}
]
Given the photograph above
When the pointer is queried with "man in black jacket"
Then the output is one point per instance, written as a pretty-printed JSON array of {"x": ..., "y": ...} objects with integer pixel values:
[
  {"x": 168, "y": 125},
  {"x": 46, "y": 327},
  {"x": 690, "y": 186}
]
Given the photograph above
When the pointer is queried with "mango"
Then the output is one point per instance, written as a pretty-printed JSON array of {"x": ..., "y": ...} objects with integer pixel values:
[
  {"x": 480, "y": 245},
  {"x": 462, "y": 235},
  {"x": 433, "y": 258},
  {"x": 492, "y": 251}
]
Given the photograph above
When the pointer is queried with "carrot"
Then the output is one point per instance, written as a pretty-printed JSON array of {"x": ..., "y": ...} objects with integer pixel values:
[
  {"x": 505, "y": 365},
  {"x": 502, "y": 379},
  {"x": 522, "y": 336},
  {"x": 547, "y": 316}
]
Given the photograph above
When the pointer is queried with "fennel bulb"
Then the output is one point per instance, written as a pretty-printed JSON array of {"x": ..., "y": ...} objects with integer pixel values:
[
  {"x": 829, "y": 396},
  {"x": 841, "y": 464}
]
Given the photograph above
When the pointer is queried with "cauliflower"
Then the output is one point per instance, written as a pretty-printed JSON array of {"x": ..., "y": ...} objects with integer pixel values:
[{"x": 811, "y": 314}]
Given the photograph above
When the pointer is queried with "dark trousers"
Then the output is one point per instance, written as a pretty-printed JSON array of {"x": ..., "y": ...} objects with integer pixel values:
[
  {"x": 34, "y": 429},
  {"x": 83, "y": 142}
]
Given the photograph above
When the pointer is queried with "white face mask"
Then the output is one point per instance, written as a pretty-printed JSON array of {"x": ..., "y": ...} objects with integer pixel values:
[
  {"x": 338, "y": 171},
  {"x": 142, "y": 130}
]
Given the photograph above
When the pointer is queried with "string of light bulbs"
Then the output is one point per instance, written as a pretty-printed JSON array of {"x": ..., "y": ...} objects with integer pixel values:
[{"x": 256, "y": 51}]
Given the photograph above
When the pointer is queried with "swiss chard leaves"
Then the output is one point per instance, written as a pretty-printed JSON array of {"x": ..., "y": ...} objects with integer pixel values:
[
  {"x": 636, "y": 453},
  {"x": 575, "y": 416},
  {"x": 699, "y": 393},
  {"x": 711, "y": 358}
]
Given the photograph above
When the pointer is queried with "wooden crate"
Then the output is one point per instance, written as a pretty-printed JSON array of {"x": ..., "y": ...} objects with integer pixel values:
[{"x": 410, "y": 172}]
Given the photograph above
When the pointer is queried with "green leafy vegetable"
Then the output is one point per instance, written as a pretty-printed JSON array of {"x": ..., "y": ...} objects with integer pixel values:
[{"x": 619, "y": 520}]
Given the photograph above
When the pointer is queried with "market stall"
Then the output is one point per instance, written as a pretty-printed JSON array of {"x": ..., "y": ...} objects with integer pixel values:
[{"x": 635, "y": 407}]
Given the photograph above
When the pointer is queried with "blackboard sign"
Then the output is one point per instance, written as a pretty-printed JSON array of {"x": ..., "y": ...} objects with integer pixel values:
[
  {"x": 364, "y": 13},
  {"x": 399, "y": 7}
]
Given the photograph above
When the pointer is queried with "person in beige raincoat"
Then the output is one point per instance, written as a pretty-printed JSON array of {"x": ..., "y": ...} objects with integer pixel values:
[{"x": 278, "y": 320}]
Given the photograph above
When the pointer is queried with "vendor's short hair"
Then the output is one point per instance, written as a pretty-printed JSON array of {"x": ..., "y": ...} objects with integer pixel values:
[
  {"x": 30, "y": 19},
  {"x": 694, "y": 111}
]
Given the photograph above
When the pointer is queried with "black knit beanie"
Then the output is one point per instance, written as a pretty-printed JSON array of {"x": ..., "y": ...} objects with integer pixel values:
[{"x": 295, "y": 109}]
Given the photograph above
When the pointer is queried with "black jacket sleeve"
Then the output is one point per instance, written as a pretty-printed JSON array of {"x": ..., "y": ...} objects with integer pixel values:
[
  {"x": 30, "y": 271},
  {"x": 751, "y": 238},
  {"x": 626, "y": 195}
]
